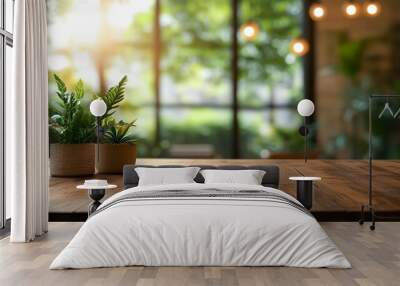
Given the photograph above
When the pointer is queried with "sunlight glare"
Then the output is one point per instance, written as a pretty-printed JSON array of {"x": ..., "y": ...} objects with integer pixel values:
[
  {"x": 58, "y": 62},
  {"x": 82, "y": 25},
  {"x": 120, "y": 15}
]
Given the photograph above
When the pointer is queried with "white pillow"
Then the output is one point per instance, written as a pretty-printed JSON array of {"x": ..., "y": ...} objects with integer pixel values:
[
  {"x": 166, "y": 176},
  {"x": 248, "y": 177}
]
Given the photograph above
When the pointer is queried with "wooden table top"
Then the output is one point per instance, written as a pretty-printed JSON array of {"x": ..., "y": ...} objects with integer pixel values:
[{"x": 343, "y": 188}]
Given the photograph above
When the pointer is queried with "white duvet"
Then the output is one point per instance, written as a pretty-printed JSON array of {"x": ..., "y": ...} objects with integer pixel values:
[{"x": 193, "y": 231}]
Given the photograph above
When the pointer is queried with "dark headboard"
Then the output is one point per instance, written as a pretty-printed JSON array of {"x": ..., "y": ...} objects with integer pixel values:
[{"x": 271, "y": 177}]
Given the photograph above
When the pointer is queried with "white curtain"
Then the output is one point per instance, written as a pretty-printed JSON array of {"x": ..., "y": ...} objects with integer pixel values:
[{"x": 26, "y": 119}]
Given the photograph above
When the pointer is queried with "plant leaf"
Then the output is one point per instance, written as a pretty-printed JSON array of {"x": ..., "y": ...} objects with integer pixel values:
[
  {"x": 79, "y": 89},
  {"x": 60, "y": 84},
  {"x": 70, "y": 123},
  {"x": 117, "y": 133},
  {"x": 114, "y": 96}
]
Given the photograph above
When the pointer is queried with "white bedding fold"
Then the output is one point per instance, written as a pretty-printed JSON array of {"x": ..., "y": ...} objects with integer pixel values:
[{"x": 205, "y": 231}]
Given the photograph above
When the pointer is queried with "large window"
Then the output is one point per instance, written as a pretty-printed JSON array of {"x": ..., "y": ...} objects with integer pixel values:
[
  {"x": 6, "y": 43},
  {"x": 270, "y": 78},
  {"x": 192, "y": 78}
]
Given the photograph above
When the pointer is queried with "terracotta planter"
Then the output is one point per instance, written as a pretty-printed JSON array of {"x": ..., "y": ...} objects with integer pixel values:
[
  {"x": 112, "y": 157},
  {"x": 72, "y": 160}
]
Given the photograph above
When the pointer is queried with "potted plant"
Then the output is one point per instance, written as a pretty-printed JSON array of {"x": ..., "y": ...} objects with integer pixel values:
[
  {"x": 117, "y": 146},
  {"x": 71, "y": 132}
]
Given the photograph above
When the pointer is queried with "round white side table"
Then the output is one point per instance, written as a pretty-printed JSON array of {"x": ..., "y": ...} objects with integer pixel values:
[
  {"x": 305, "y": 190},
  {"x": 96, "y": 193}
]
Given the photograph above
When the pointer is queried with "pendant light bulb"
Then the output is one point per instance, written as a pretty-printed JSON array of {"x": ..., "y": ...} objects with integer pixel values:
[
  {"x": 372, "y": 8},
  {"x": 249, "y": 31},
  {"x": 299, "y": 47},
  {"x": 317, "y": 11},
  {"x": 351, "y": 9}
]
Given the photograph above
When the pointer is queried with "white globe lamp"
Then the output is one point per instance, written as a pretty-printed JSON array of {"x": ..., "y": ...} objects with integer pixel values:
[
  {"x": 305, "y": 107},
  {"x": 98, "y": 107}
]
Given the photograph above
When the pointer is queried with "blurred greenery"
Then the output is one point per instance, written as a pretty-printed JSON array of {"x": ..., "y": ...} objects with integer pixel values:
[
  {"x": 350, "y": 55},
  {"x": 365, "y": 78},
  {"x": 195, "y": 69},
  {"x": 266, "y": 62},
  {"x": 200, "y": 127}
]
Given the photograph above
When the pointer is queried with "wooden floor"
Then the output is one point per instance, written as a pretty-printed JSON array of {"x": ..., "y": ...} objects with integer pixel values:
[
  {"x": 343, "y": 188},
  {"x": 375, "y": 257}
]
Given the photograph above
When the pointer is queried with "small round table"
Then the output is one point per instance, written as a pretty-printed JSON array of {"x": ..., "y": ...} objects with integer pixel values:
[
  {"x": 96, "y": 193},
  {"x": 305, "y": 190}
]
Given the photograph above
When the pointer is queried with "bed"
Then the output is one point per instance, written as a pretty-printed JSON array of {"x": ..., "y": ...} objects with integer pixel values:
[{"x": 198, "y": 224}]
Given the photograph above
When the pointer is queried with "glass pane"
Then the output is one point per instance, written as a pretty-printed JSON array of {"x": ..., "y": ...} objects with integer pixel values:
[
  {"x": 268, "y": 72},
  {"x": 204, "y": 132},
  {"x": 196, "y": 52},
  {"x": 100, "y": 42},
  {"x": 267, "y": 133},
  {"x": 9, "y": 15},
  {"x": 144, "y": 130},
  {"x": 8, "y": 82},
  {"x": 138, "y": 65},
  {"x": 385, "y": 137}
]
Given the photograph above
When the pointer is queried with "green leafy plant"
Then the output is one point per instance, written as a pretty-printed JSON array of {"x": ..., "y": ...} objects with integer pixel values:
[
  {"x": 114, "y": 96},
  {"x": 117, "y": 132},
  {"x": 69, "y": 121}
]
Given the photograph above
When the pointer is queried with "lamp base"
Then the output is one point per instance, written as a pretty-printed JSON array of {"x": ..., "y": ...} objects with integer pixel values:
[{"x": 304, "y": 131}]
